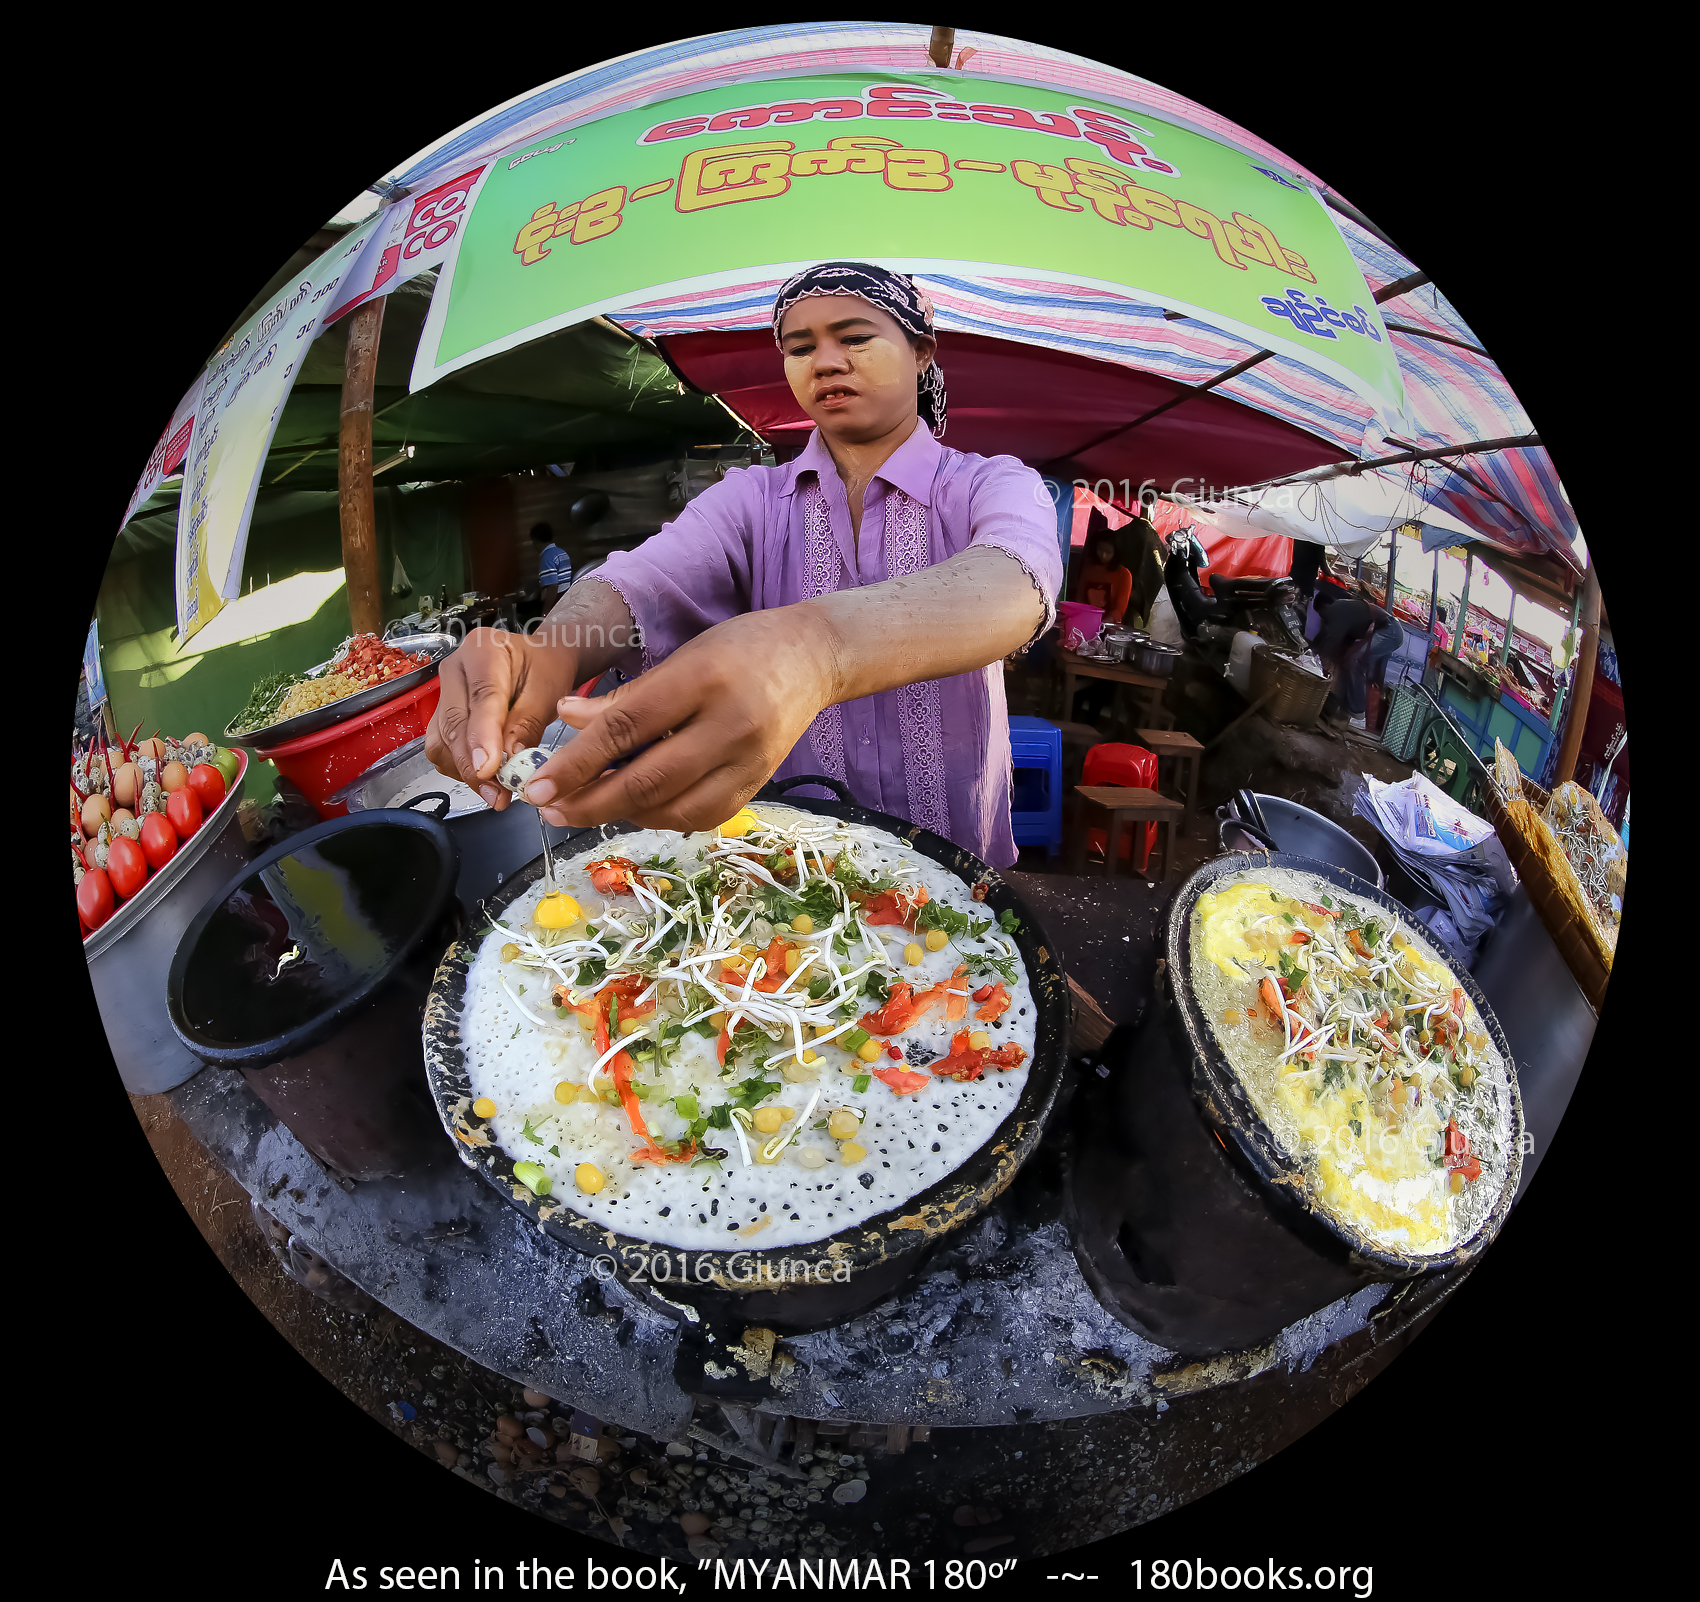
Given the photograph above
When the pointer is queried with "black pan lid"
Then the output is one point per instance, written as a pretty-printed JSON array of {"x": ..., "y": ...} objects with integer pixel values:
[{"x": 312, "y": 929}]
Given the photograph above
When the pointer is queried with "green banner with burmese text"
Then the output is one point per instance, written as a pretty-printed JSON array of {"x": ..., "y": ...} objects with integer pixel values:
[{"x": 711, "y": 189}]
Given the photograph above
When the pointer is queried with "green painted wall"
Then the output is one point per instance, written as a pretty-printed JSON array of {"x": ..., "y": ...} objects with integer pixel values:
[{"x": 292, "y": 533}]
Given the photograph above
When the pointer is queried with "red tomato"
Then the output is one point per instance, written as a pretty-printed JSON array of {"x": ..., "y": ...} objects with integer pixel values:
[
  {"x": 126, "y": 867},
  {"x": 95, "y": 901},
  {"x": 207, "y": 783},
  {"x": 159, "y": 840},
  {"x": 183, "y": 812}
]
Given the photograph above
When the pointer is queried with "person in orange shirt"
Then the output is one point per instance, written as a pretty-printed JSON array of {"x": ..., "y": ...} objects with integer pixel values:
[{"x": 1105, "y": 580}]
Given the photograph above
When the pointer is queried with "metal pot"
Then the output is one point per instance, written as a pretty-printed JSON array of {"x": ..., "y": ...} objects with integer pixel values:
[
  {"x": 308, "y": 974},
  {"x": 1120, "y": 640},
  {"x": 1299, "y": 832},
  {"x": 1192, "y": 1225},
  {"x": 1158, "y": 659},
  {"x": 737, "y": 1287},
  {"x": 130, "y": 954}
]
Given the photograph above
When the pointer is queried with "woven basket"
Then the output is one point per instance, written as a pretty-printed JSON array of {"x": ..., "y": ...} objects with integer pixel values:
[
  {"x": 1569, "y": 933},
  {"x": 1299, "y": 696}
]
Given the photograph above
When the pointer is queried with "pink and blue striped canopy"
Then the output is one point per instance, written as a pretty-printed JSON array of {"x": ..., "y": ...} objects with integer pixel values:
[{"x": 1455, "y": 393}]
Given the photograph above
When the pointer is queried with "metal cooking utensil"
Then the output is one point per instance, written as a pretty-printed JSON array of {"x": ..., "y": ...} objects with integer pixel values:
[{"x": 516, "y": 773}]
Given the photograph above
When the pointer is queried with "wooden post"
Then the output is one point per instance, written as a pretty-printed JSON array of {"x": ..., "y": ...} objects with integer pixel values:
[
  {"x": 940, "y": 46},
  {"x": 354, "y": 470},
  {"x": 1510, "y": 617},
  {"x": 1392, "y": 566},
  {"x": 1583, "y": 687},
  {"x": 1434, "y": 604}
]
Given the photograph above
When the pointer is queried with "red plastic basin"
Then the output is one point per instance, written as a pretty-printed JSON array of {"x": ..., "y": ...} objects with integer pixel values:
[{"x": 321, "y": 764}]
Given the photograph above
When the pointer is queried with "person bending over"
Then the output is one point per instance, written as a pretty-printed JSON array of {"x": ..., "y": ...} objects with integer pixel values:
[{"x": 845, "y": 614}]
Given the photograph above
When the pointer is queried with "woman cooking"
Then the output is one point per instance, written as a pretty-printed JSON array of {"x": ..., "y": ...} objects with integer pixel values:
[{"x": 846, "y": 613}]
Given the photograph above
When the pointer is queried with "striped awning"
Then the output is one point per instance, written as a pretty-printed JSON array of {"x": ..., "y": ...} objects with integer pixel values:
[{"x": 1456, "y": 395}]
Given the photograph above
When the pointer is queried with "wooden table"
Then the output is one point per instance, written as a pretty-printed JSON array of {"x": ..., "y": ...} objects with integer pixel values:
[
  {"x": 1126, "y": 804},
  {"x": 1170, "y": 745},
  {"x": 1076, "y": 667}
]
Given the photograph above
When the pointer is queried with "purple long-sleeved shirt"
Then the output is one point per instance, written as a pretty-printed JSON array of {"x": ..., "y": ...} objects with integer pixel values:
[{"x": 936, "y": 752}]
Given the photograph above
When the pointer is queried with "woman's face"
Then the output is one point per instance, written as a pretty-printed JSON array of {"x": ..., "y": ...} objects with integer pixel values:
[
  {"x": 851, "y": 366},
  {"x": 1104, "y": 552}
]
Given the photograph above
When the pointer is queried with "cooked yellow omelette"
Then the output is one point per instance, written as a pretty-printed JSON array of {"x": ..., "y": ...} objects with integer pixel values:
[{"x": 1361, "y": 1053}]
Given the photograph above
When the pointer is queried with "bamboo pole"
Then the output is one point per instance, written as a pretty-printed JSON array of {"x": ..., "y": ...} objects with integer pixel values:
[
  {"x": 1510, "y": 618},
  {"x": 354, "y": 470},
  {"x": 1582, "y": 687},
  {"x": 939, "y": 46}
]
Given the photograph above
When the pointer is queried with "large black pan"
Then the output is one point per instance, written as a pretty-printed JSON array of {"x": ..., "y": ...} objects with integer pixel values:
[
  {"x": 877, "y": 1255},
  {"x": 1190, "y": 1221}
]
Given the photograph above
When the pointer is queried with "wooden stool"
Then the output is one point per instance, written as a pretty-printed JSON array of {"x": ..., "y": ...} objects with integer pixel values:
[
  {"x": 1184, "y": 751},
  {"x": 1129, "y": 806}
]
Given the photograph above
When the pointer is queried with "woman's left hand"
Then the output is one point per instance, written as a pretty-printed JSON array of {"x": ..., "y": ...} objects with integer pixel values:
[{"x": 710, "y": 725}]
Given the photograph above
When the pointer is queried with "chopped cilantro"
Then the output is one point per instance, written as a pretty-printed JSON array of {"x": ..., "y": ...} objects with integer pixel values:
[
  {"x": 819, "y": 985},
  {"x": 1008, "y": 922},
  {"x": 1333, "y": 1074},
  {"x": 874, "y": 987},
  {"x": 687, "y": 1105},
  {"x": 937, "y": 915},
  {"x": 515, "y": 1034},
  {"x": 530, "y": 1131},
  {"x": 667, "y": 866},
  {"x": 1355, "y": 1127}
]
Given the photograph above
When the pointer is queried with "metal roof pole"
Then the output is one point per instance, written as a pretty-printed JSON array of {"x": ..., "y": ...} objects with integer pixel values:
[
  {"x": 1462, "y": 643},
  {"x": 1510, "y": 617},
  {"x": 1589, "y": 602}
]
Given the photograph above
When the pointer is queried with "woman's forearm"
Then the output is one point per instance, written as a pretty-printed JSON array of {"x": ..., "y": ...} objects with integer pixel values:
[
  {"x": 592, "y": 628},
  {"x": 974, "y": 609}
]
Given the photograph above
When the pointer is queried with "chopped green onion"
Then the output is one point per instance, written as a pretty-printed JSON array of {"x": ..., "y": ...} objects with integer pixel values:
[
  {"x": 531, "y": 1175},
  {"x": 861, "y": 1082}
]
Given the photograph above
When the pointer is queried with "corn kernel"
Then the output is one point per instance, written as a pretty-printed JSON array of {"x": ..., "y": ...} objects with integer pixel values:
[
  {"x": 796, "y": 1073},
  {"x": 851, "y": 1153},
  {"x": 803, "y": 923},
  {"x": 484, "y": 1107},
  {"x": 912, "y": 953},
  {"x": 843, "y": 1124},
  {"x": 869, "y": 1051},
  {"x": 720, "y": 1019},
  {"x": 588, "y": 1093},
  {"x": 1457, "y": 1183},
  {"x": 589, "y": 1178},
  {"x": 809, "y": 1056},
  {"x": 566, "y": 1092},
  {"x": 752, "y": 952},
  {"x": 936, "y": 939},
  {"x": 979, "y": 1040},
  {"x": 509, "y": 952},
  {"x": 586, "y": 1022},
  {"x": 630, "y": 1026},
  {"x": 767, "y": 1120},
  {"x": 792, "y": 958},
  {"x": 811, "y": 1156}
]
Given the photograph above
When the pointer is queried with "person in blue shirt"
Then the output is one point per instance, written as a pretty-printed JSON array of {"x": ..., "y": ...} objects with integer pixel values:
[{"x": 554, "y": 566}]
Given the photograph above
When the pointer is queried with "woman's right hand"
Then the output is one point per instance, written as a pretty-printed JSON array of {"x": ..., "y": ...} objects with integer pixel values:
[{"x": 499, "y": 694}]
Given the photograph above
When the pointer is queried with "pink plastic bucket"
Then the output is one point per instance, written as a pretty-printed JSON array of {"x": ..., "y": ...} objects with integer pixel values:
[{"x": 1080, "y": 623}]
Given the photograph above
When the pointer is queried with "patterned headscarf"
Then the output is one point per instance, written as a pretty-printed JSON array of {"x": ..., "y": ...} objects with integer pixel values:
[{"x": 894, "y": 293}]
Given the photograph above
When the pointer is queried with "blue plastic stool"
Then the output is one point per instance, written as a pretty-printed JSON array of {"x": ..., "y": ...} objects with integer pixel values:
[{"x": 1037, "y": 791}]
